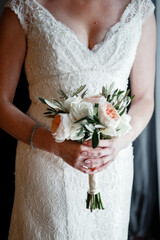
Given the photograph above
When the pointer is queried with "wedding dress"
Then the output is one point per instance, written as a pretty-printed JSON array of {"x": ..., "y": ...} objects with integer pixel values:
[{"x": 50, "y": 195}]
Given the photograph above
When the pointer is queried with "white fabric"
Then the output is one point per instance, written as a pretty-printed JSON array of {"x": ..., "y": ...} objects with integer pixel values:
[
  {"x": 50, "y": 195},
  {"x": 93, "y": 184}
]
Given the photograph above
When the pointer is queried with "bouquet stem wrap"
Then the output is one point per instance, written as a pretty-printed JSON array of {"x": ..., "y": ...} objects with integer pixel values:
[{"x": 93, "y": 195}]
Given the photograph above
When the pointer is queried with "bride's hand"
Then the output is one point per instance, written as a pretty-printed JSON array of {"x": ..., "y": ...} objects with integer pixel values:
[
  {"x": 109, "y": 149},
  {"x": 84, "y": 157}
]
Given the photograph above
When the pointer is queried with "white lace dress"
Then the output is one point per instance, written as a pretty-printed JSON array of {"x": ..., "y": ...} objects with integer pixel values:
[{"x": 50, "y": 195}]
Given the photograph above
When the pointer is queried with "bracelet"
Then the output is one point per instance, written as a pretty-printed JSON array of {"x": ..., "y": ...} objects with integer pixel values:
[{"x": 32, "y": 134}]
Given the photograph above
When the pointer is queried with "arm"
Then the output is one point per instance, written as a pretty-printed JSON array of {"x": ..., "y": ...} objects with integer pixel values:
[
  {"x": 12, "y": 54},
  {"x": 142, "y": 82}
]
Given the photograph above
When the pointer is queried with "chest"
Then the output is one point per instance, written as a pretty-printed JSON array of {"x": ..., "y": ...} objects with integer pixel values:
[{"x": 89, "y": 20}]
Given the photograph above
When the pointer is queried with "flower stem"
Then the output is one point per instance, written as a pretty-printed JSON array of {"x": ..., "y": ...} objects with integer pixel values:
[{"x": 94, "y": 201}]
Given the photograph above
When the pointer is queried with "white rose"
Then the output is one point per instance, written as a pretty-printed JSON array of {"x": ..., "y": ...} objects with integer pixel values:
[
  {"x": 124, "y": 126},
  {"x": 108, "y": 115},
  {"x": 80, "y": 110},
  {"x": 71, "y": 100},
  {"x": 61, "y": 127}
]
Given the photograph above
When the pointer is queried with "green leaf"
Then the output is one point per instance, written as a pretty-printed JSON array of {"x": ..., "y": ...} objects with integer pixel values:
[
  {"x": 104, "y": 92},
  {"x": 60, "y": 103},
  {"x": 119, "y": 93},
  {"x": 132, "y": 97},
  {"x": 103, "y": 136},
  {"x": 80, "y": 89},
  {"x": 96, "y": 105},
  {"x": 114, "y": 93},
  {"x": 95, "y": 117},
  {"x": 111, "y": 87},
  {"x": 127, "y": 93},
  {"x": 123, "y": 111},
  {"x": 52, "y": 110},
  {"x": 81, "y": 119},
  {"x": 117, "y": 104},
  {"x": 84, "y": 93},
  {"x": 80, "y": 131},
  {"x": 42, "y": 100},
  {"x": 62, "y": 94},
  {"x": 95, "y": 139},
  {"x": 49, "y": 112},
  {"x": 100, "y": 201},
  {"x": 48, "y": 103}
]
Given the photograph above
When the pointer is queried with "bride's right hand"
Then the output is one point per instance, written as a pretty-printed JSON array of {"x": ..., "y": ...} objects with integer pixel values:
[{"x": 79, "y": 156}]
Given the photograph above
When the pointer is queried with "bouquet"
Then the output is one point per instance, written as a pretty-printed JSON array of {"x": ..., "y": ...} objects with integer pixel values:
[{"x": 80, "y": 118}]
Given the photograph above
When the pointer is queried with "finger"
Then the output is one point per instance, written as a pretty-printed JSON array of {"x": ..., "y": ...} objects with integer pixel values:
[
  {"x": 88, "y": 152},
  {"x": 98, "y": 153},
  {"x": 84, "y": 169},
  {"x": 96, "y": 163},
  {"x": 105, "y": 166}
]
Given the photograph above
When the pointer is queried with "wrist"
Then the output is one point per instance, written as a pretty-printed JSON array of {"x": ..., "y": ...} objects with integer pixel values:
[
  {"x": 44, "y": 140},
  {"x": 123, "y": 142}
]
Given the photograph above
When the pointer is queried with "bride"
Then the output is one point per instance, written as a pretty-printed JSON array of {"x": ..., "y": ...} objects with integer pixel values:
[{"x": 66, "y": 44}]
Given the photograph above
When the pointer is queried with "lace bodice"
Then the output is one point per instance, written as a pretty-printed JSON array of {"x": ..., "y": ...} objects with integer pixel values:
[
  {"x": 55, "y": 57},
  {"x": 49, "y": 198}
]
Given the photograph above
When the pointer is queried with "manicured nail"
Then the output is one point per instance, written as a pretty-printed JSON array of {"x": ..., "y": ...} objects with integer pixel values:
[
  {"x": 84, "y": 153},
  {"x": 87, "y": 161},
  {"x": 85, "y": 143}
]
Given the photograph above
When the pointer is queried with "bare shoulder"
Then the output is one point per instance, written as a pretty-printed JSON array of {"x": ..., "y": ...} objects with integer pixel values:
[
  {"x": 9, "y": 19},
  {"x": 12, "y": 53},
  {"x": 150, "y": 23},
  {"x": 143, "y": 71}
]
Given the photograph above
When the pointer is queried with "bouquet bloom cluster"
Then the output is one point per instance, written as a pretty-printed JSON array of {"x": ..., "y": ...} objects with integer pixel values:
[{"x": 81, "y": 118}]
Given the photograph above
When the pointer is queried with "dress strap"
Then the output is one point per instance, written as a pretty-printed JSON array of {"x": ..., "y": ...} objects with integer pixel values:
[
  {"x": 20, "y": 8},
  {"x": 147, "y": 8}
]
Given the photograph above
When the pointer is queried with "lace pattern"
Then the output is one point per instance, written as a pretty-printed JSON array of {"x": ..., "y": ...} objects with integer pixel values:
[
  {"x": 49, "y": 196},
  {"x": 147, "y": 9}
]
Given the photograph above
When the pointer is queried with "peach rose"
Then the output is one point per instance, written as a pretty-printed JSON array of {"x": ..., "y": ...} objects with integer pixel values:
[{"x": 108, "y": 115}]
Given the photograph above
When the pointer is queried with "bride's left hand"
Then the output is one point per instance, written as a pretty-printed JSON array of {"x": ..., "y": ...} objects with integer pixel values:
[{"x": 100, "y": 163}]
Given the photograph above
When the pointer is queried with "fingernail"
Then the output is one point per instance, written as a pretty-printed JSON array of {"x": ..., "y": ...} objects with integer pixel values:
[
  {"x": 87, "y": 161},
  {"x": 85, "y": 143},
  {"x": 85, "y": 153}
]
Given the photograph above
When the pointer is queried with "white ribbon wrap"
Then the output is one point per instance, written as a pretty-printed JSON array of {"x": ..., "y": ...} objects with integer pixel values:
[{"x": 93, "y": 184}]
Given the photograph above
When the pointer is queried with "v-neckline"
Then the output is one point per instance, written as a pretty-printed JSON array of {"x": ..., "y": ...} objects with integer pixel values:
[{"x": 74, "y": 35}]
